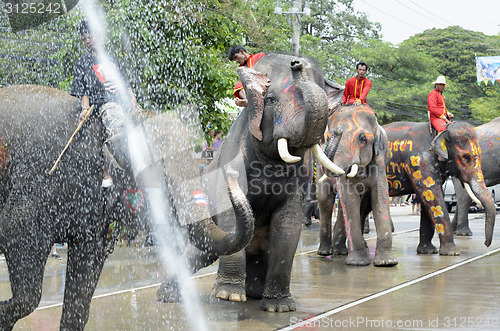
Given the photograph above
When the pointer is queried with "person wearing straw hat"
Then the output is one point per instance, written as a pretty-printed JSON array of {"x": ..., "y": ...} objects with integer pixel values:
[{"x": 439, "y": 116}]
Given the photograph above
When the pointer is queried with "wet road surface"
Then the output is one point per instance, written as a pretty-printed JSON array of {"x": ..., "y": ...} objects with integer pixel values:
[{"x": 423, "y": 292}]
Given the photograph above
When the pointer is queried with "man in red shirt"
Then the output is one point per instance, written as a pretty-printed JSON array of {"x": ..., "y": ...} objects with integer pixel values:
[
  {"x": 357, "y": 88},
  {"x": 438, "y": 114},
  {"x": 239, "y": 54}
]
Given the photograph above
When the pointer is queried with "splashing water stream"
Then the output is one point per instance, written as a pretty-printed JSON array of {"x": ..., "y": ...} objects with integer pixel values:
[{"x": 169, "y": 236}]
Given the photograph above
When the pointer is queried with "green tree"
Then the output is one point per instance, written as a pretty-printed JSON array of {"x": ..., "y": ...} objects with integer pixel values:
[
  {"x": 487, "y": 108},
  {"x": 454, "y": 50},
  {"x": 401, "y": 80}
]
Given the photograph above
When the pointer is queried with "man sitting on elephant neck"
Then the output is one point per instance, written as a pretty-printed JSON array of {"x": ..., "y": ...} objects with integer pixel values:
[
  {"x": 357, "y": 88},
  {"x": 238, "y": 54},
  {"x": 438, "y": 114},
  {"x": 97, "y": 82}
]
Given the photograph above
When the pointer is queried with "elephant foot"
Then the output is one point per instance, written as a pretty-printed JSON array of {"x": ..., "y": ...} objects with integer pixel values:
[
  {"x": 340, "y": 250},
  {"x": 307, "y": 221},
  {"x": 385, "y": 259},
  {"x": 278, "y": 304},
  {"x": 427, "y": 249},
  {"x": 229, "y": 292},
  {"x": 449, "y": 249},
  {"x": 358, "y": 258},
  {"x": 168, "y": 292},
  {"x": 463, "y": 231},
  {"x": 325, "y": 250}
]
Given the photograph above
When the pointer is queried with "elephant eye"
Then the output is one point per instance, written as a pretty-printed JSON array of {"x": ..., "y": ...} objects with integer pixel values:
[
  {"x": 362, "y": 138},
  {"x": 270, "y": 98},
  {"x": 467, "y": 158}
]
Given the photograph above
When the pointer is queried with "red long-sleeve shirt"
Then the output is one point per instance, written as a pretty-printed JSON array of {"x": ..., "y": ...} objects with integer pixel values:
[
  {"x": 437, "y": 110},
  {"x": 356, "y": 89},
  {"x": 252, "y": 60}
]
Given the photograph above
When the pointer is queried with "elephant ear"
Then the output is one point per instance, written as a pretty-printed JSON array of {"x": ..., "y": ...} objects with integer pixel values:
[
  {"x": 440, "y": 143},
  {"x": 380, "y": 143},
  {"x": 334, "y": 94},
  {"x": 255, "y": 84}
]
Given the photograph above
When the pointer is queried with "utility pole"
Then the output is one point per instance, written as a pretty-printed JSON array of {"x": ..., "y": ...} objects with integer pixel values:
[{"x": 295, "y": 13}]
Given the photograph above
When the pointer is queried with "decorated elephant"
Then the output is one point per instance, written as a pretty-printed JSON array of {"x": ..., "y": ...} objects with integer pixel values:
[
  {"x": 419, "y": 164},
  {"x": 358, "y": 144},
  {"x": 287, "y": 114},
  {"x": 38, "y": 208},
  {"x": 488, "y": 137}
]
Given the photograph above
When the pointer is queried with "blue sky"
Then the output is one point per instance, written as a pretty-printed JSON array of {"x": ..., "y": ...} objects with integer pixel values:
[{"x": 401, "y": 19}]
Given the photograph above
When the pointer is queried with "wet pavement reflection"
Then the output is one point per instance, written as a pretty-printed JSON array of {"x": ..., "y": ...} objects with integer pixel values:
[{"x": 425, "y": 292}]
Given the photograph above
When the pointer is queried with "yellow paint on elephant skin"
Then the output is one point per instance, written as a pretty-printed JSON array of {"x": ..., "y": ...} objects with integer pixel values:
[
  {"x": 398, "y": 167},
  {"x": 428, "y": 195},
  {"x": 437, "y": 211},
  {"x": 443, "y": 145},
  {"x": 429, "y": 182},
  {"x": 415, "y": 160},
  {"x": 398, "y": 145},
  {"x": 440, "y": 228},
  {"x": 480, "y": 176},
  {"x": 396, "y": 184},
  {"x": 417, "y": 175}
]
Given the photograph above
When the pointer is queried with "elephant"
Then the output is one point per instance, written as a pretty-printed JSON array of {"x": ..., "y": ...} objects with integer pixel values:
[
  {"x": 39, "y": 207},
  {"x": 488, "y": 137},
  {"x": 288, "y": 107},
  {"x": 419, "y": 163},
  {"x": 358, "y": 144}
]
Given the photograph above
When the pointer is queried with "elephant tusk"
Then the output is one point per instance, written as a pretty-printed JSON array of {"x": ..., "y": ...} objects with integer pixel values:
[
  {"x": 471, "y": 194},
  {"x": 324, "y": 160},
  {"x": 354, "y": 171},
  {"x": 322, "y": 179},
  {"x": 284, "y": 154}
]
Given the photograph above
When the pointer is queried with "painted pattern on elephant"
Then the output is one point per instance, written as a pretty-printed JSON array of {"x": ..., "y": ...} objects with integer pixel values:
[{"x": 422, "y": 168}]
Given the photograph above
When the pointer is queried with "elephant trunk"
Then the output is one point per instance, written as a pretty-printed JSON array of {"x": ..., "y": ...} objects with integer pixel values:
[
  {"x": 315, "y": 104},
  {"x": 217, "y": 241},
  {"x": 481, "y": 192}
]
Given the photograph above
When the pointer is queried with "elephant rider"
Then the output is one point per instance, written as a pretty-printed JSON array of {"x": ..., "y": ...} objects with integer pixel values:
[
  {"x": 238, "y": 54},
  {"x": 97, "y": 82},
  {"x": 438, "y": 114},
  {"x": 357, "y": 88}
]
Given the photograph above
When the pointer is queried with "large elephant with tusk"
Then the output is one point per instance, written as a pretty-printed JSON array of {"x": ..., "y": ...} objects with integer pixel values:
[
  {"x": 287, "y": 114},
  {"x": 358, "y": 144},
  {"x": 420, "y": 163},
  {"x": 488, "y": 137}
]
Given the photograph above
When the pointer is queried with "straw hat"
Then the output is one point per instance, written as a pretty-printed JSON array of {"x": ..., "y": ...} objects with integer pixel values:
[{"x": 441, "y": 80}]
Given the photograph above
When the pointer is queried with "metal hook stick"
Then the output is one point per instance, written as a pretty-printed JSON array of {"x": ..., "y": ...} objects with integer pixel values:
[{"x": 87, "y": 115}]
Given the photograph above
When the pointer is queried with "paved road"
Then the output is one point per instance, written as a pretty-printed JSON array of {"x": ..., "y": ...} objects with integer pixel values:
[{"x": 422, "y": 292}]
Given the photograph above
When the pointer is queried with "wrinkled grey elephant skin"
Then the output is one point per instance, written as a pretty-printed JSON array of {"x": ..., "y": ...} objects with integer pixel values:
[
  {"x": 288, "y": 98},
  {"x": 488, "y": 137},
  {"x": 38, "y": 209},
  {"x": 359, "y": 145}
]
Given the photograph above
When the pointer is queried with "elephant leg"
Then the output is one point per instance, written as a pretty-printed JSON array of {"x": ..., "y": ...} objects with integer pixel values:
[
  {"x": 230, "y": 281},
  {"x": 380, "y": 202},
  {"x": 86, "y": 258},
  {"x": 366, "y": 208},
  {"x": 326, "y": 201},
  {"x": 169, "y": 290},
  {"x": 426, "y": 233},
  {"x": 257, "y": 265},
  {"x": 284, "y": 237},
  {"x": 461, "y": 218},
  {"x": 357, "y": 251},
  {"x": 26, "y": 266},
  {"x": 339, "y": 235},
  {"x": 26, "y": 252}
]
